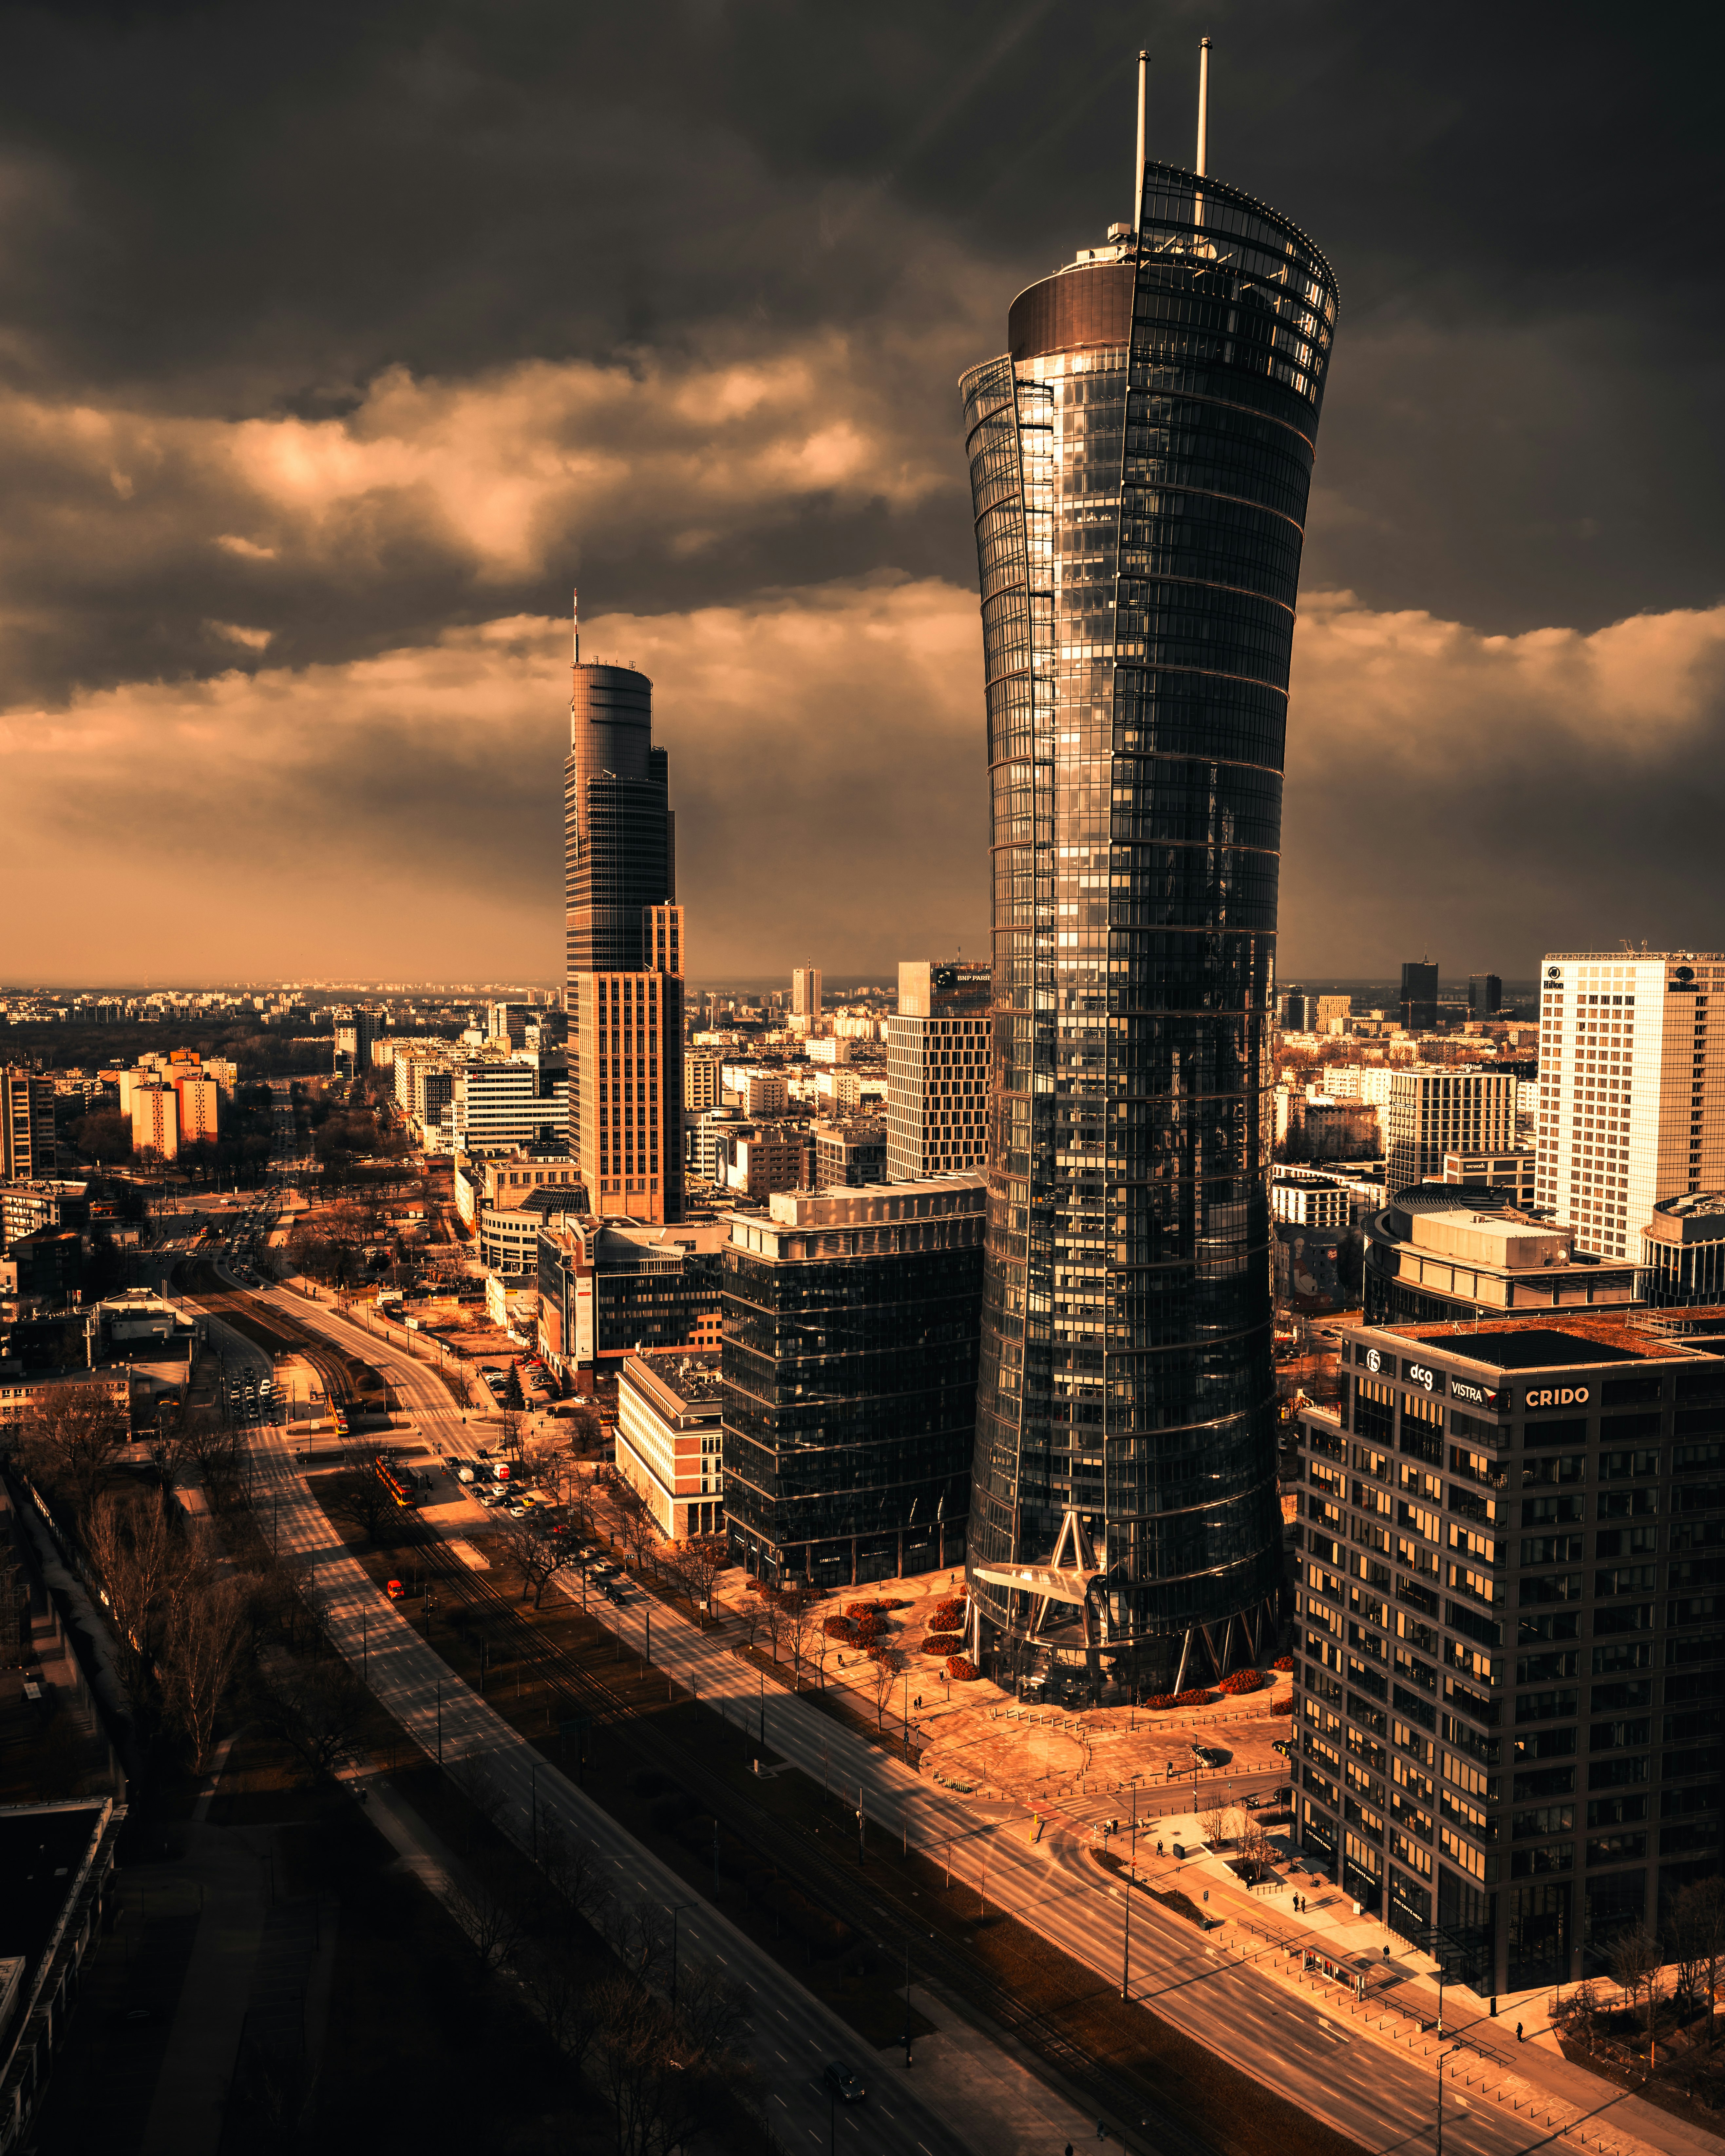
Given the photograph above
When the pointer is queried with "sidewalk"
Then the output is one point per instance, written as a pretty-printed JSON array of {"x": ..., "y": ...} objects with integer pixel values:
[{"x": 1400, "y": 2003}]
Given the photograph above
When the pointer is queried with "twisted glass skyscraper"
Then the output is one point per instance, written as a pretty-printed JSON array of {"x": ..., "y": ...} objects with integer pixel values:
[{"x": 1140, "y": 462}]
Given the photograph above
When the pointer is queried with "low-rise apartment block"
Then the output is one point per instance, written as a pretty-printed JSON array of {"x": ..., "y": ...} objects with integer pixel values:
[{"x": 669, "y": 1442}]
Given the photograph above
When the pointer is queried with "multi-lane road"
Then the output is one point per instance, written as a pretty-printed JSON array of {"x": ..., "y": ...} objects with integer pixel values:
[{"x": 1381, "y": 2097}]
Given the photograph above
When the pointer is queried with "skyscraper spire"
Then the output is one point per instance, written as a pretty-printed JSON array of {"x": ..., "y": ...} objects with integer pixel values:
[{"x": 576, "y": 604}]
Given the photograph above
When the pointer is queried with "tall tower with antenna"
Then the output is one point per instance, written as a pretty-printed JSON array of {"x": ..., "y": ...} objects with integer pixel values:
[{"x": 1141, "y": 457}]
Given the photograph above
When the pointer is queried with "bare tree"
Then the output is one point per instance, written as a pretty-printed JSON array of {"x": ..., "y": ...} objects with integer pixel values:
[
  {"x": 568, "y": 2006},
  {"x": 319, "y": 1709},
  {"x": 357, "y": 1499},
  {"x": 1213, "y": 1824},
  {"x": 490, "y": 1909},
  {"x": 801, "y": 1625},
  {"x": 1634, "y": 1965},
  {"x": 775, "y": 1615},
  {"x": 584, "y": 1432},
  {"x": 532, "y": 1553},
  {"x": 704, "y": 1557},
  {"x": 73, "y": 1441},
  {"x": 639, "y": 1936},
  {"x": 1695, "y": 1924},
  {"x": 635, "y": 1516},
  {"x": 206, "y": 1636},
  {"x": 885, "y": 1664},
  {"x": 143, "y": 1562},
  {"x": 574, "y": 1873},
  {"x": 752, "y": 1611}
]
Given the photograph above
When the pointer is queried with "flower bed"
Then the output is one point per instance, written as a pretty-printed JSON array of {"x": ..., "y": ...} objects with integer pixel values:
[
  {"x": 1241, "y": 1681},
  {"x": 889, "y": 1655},
  {"x": 868, "y": 1629},
  {"x": 1166, "y": 1699},
  {"x": 942, "y": 1643},
  {"x": 1282, "y": 1706},
  {"x": 960, "y": 1670},
  {"x": 948, "y": 1616},
  {"x": 1283, "y": 1662},
  {"x": 867, "y": 1609},
  {"x": 839, "y": 1628}
]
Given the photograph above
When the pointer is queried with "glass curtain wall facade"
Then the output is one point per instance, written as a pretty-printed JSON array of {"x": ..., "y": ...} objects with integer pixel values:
[{"x": 1141, "y": 459}]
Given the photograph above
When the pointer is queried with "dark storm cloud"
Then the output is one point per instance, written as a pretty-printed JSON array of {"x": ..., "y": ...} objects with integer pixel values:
[{"x": 330, "y": 340}]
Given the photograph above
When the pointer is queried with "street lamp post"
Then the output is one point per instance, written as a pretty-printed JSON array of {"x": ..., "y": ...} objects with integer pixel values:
[{"x": 1442, "y": 2056}]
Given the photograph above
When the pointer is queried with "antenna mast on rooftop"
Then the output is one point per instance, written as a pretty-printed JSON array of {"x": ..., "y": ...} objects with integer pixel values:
[
  {"x": 1138, "y": 162},
  {"x": 576, "y": 601},
  {"x": 1204, "y": 106}
]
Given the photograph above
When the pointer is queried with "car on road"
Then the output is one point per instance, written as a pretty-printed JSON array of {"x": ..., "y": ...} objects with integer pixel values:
[
  {"x": 844, "y": 2082},
  {"x": 1206, "y": 1755}
]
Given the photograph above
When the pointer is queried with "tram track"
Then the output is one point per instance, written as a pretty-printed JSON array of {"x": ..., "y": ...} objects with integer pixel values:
[
  {"x": 875, "y": 1905},
  {"x": 279, "y": 1332}
]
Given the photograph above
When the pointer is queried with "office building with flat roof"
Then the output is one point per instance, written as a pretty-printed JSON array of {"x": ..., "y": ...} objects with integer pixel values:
[
  {"x": 1434, "y": 1109},
  {"x": 849, "y": 1372},
  {"x": 1465, "y": 1251},
  {"x": 1420, "y": 994},
  {"x": 1683, "y": 1250},
  {"x": 1510, "y": 1661},
  {"x": 937, "y": 1064},
  {"x": 1631, "y": 1089},
  {"x": 669, "y": 1439}
]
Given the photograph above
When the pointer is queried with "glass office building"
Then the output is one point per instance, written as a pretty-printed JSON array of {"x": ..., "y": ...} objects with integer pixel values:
[
  {"x": 850, "y": 1365},
  {"x": 1141, "y": 459}
]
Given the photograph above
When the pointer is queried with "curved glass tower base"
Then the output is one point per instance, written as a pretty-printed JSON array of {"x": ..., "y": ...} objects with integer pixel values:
[{"x": 1140, "y": 463}]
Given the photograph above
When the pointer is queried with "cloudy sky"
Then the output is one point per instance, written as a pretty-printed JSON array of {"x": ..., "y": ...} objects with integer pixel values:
[{"x": 337, "y": 341}]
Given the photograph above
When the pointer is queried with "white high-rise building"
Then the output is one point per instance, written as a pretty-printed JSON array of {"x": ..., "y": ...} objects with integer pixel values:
[
  {"x": 1631, "y": 1088},
  {"x": 805, "y": 993}
]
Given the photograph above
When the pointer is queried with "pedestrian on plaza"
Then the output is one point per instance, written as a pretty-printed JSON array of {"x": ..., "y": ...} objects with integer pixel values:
[{"x": 1518, "y": 2032}]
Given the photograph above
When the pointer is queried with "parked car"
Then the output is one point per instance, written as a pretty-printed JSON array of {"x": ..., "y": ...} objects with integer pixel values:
[
  {"x": 1206, "y": 1755},
  {"x": 1284, "y": 1745}
]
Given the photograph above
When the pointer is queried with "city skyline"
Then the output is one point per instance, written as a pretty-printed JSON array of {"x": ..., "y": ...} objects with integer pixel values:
[{"x": 289, "y": 557}]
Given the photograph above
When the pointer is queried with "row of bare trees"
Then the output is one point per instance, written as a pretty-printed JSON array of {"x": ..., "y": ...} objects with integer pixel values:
[
  {"x": 1690, "y": 1939},
  {"x": 659, "y": 2044}
]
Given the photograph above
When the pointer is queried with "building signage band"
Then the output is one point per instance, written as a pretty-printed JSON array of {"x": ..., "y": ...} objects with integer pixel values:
[
  {"x": 1475, "y": 1396},
  {"x": 1560, "y": 1396}
]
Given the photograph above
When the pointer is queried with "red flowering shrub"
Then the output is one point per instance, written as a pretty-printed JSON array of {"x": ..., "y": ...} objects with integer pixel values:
[
  {"x": 948, "y": 1616},
  {"x": 839, "y": 1628},
  {"x": 864, "y": 1608},
  {"x": 890, "y": 1655},
  {"x": 1241, "y": 1681},
  {"x": 869, "y": 1627},
  {"x": 960, "y": 1670},
  {"x": 1160, "y": 1699},
  {"x": 1194, "y": 1699},
  {"x": 1283, "y": 1662},
  {"x": 942, "y": 1643},
  {"x": 1282, "y": 1706}
]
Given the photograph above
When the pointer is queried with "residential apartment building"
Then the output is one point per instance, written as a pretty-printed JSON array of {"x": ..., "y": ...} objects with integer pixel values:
[
  {"x": 937, "y": 1060},
  {"x": 1310, "y": 1201},
  {"x": 669, "y": 1439},
  {"x": 1509, "y": 1658},
  {"x": 1631, "y": 1088},
  {"x": 852, "y": 1331},
  {"x": 156, "y": 1120},
  {"x": 700, "y": 1081},
  {"x": 1432, "y": 1111},
  {"x": 199, "y": 1099},
  {"x": 758, "y": 1160},
  {"x": 26, "y": 1206},
  {"x": 28, "y": 1147}
]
